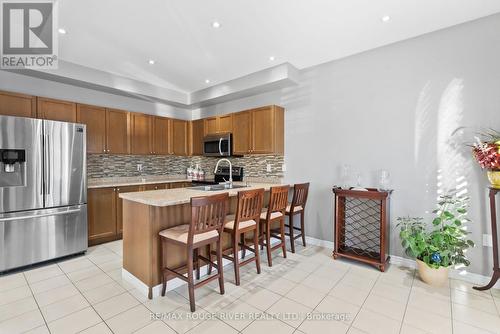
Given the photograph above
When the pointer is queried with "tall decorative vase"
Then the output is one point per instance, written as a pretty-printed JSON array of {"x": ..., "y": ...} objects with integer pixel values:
[{"x": 494, "y": 177}]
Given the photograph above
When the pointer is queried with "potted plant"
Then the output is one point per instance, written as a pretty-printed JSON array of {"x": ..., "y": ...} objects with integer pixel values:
[
  {"x": 487, "y": 154},
  {"x": 442, "y": 244}
]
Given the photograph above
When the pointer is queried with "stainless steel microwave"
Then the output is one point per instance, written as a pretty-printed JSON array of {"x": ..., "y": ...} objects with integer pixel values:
[{"x": 218, "y": 145}]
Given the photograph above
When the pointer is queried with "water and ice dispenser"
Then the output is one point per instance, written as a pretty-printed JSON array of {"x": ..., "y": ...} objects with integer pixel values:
[{"x": 12, "y": 167}]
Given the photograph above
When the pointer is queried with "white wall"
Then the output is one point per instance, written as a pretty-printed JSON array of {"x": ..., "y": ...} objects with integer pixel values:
[
  {"x": 18, "y": 83},
  {"x": 409, "y": 108}
]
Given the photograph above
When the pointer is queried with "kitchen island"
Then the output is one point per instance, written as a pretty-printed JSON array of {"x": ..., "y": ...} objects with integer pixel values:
[{"x": 145, "y": 214}]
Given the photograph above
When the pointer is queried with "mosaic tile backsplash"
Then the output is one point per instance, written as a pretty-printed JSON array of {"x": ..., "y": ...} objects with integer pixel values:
[{"x": 106, "y": 165}]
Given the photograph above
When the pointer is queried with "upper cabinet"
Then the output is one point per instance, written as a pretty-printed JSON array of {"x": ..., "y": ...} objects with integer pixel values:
[
  {"x": 13, "y": 104},
  {"x": 162, "y": 143},
  {"x": 218, "y": 124},
  {"x": 141, "y": 139},
  {"x": 95, "y": 119},
  {"x": 117, "y": 131},
  {"x": 259, "y": 131},
  {"x": 197, "y": 132},
  {"x": 180, "y": 137},
  {"x": 56, "y": 110}
]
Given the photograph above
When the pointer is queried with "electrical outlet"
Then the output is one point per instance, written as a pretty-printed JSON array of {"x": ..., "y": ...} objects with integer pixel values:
[
  {"x": 487, "y": 240},
  {"x": 268, "y": 168},
  {"x": 283, "y": 168}
]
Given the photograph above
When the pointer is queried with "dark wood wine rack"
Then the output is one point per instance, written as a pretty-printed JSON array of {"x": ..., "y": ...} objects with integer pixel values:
[{"x": 361, "y": 225}]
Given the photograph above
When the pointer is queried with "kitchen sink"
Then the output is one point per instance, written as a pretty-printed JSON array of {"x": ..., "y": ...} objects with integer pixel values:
[{"x": 217, "y": 187}]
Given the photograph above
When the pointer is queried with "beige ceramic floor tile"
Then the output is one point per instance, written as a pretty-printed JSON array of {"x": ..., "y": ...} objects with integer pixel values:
[
  {"x": 278, "y": 285},
  {"x": 93, "y": 282},
  {"x": 384, "y": 306},
  {"x": 354, "y": 278},
  {"x": 215, "y": 301},
  {"x": 390, "y": 291},
  {"x": 51, "y": 296},
  {"x": 75, "y": 264},
  {"x": 115, "y": 305},
  {"x": 15, "y": 294},
  {"x": 13, "y": 281},
  {"x": 261, "y": 298},
  {"x": 100, "y": 328},
  {"x": 111, "y": 265},
  {"x": 42, "y": 273},
  {"x": 75, "y": 322},
  {"x": 131, "y": 320},
  {"x": 314, "y": 326},
  {"x": 346, "y": 311},
  {"x": 169, "y": 303},
  {"x": 39, "y": 330},
  {"x": 182, "y": 319},
  {"x": 428, "y": 321},
  {"x": 349, "y": 293},
  {"x": 461, "y": 328},
  {"x": 483, "y": 303},
  {"x": 422, "y": 300},
  {"x": 320, "y": 283},
  {"x": 306, "y": 295},
  {"x": 213, "y": 326},
  {"x": 49, "y": 284},
  {"x": 353, "y": 330},
  {"x": 289, "y": 312},
  {"x": 156, "y": 327},
  {"x": 84, "y": 273},
  {"x": 239, "y": 314},
  {"x": 64, "y": 307},
  {"x": 268, "y": 326},
  {"x": 16, "y": 308},
  {"x": 22, "y": 323},
  {"x": 101, "y": 258},
  {"x": 104, "y": 292},
  {"x": 375, "y": 323},
  {"x": 438, "y": 292},
  {"x": 476, "y": 318},
  {"x": 407, "y": 329},
  {"x": 468, "y": 287}
]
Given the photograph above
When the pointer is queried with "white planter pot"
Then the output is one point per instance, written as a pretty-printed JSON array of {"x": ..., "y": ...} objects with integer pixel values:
[{"x": 431, "y": 276}]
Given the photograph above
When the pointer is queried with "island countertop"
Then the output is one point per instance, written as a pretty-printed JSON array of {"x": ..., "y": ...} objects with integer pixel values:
[{"x": 170, "y": 197}]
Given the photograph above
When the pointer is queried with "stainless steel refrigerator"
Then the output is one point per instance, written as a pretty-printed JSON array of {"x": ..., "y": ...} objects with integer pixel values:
[{"x": 43, "y": 190}]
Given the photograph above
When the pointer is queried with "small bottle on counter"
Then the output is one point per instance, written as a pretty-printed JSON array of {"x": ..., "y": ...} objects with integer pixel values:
[
  {"x": 201, "y": 175},
  {"x": 190, "y": 172},
  {"x": 196, "y": 172}
]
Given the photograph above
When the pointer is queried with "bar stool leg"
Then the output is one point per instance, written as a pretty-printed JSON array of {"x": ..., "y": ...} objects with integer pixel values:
[
  {"x": 292, "y": 238},
  {"x": 163, "y": 265},
  {"x": 256, "y": 248},
  {"x": 283, "y": 240},
  {"x": 197, "y": 263},
  {"x": 190, "y": 280},
  {"x": 302, "y": 228},
  {"x": 243, "y": 250},
  {"x": 268, "y": 244},
  {"x": 220, "y": 270},
  {"x": 209, "y": 256},
  {"x": 236, "y": 261}
]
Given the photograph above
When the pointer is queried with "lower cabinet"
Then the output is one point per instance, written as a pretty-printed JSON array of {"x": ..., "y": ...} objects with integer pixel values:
[{"x": 105, "y": 208}]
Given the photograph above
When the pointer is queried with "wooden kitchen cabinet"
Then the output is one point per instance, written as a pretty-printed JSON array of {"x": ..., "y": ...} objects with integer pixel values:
[
  {"x": 183, "y": 184},
  {"x": 180, "y": 137},
  {"x": 218, "y": 124},
  {"x": 95, "y": 120},
  {"x": 20, "y": 105},
  {"x": 117, "y": 131},
  {"x": 197, "y": 131},
  {"x": 259, "y": 131},
  {"x": 141, "y": 134},
  {"x": 101, "y": 211},
  {"x": 119, "y": 205},
  {"x": 161, "y": 136},
  {"x": 56, "y": 110}
]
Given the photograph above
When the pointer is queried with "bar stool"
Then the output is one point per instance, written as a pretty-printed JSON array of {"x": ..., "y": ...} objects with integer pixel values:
[
  {"x": 207, "y": 220},
  {"x": 298, "y": 205},
  {"x": 275, "y": 212},
  {"x": 248, "y": 210}
]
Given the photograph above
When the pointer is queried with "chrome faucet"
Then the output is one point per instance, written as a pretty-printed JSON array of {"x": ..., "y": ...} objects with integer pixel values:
[{"x": 230, "y": 170}]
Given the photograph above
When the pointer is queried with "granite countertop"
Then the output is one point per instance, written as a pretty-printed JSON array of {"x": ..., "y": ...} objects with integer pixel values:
[
  {"x": 134, "y": 180},
  {"x": 169, "y": 197}
]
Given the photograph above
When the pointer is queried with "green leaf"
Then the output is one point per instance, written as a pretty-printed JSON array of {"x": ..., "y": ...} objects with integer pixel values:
[
  {"x": 436, "y": 221},
  {"x": 458, "y": 222}
]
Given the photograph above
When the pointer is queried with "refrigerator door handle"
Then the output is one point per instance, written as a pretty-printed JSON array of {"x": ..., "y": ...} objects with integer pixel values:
[
  {"x": 57, "y": 213},
  {"x": 47, "y": 165}
]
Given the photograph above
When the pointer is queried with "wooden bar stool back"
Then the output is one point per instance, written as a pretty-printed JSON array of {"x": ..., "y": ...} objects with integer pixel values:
[
  {"x": 208, "y": 214},
  {"x": 297, "y": 206},
  {"x": 278, "y": 201},
  {"x": 246, "y": 219}
]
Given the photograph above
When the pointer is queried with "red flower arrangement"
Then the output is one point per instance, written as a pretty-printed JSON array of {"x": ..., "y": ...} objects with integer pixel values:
[{"x": 487, "y": 153}]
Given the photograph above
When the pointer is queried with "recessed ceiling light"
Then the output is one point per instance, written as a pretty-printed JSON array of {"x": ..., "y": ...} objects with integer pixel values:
[
  {"x": 207, "y": 81},
  {"x": 216, "y": 24},
  {"x": 271, "y": 58},
  {"x": 62, "y": 31},
  {"x": 386, "y": 18},
  {"x": 151, "y": 62}
]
